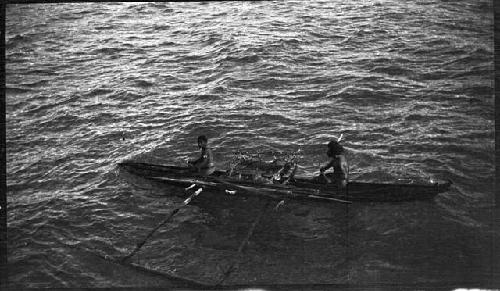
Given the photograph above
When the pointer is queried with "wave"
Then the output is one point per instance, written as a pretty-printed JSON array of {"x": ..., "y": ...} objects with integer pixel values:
[
  {"x": 215, "y": 40},
  {"x": 437, "y": 75},
  {"x": 203, "y": 97},
  {"x": 161, "y": 27},
  {"x": 143, "y": 84},
  {"x": 17, "y": 90},
  {"x": 366, "y": 96},
  {"x": 167, "y": 43},
  {"x": 104, "y": 27},
  {"x": 416, "y": 117},
  {"x": 126, "y": 95},
  {"x": 46, "y": 72},
  {"x": 17, "y": 40},
  {"x": 393, "y": 70},
  {"x": 242, "y": 59},
  {"x": 60, "y": 122},
  {"x": 107, "y": 50},
  {"x": 479, "y": 91},
  {"x": 158, "y": 5},
  {"x": 99, "y": 92},
  {"x": 435, "y": 43},
  {"x": 36, "y": 84},
  {"x": 310, "y": 96},
  {"x": 40, "y": 109},
  {"x": 474, "y": 72},
  {"x": 470, "y": 58}
]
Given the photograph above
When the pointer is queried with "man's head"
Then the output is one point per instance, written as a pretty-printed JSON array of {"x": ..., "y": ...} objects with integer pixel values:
[
  {"x": 334, "y": 148},
  {"x": 202, "y": 141}
]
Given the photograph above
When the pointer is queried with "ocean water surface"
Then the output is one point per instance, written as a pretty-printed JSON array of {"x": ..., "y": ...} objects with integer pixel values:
[{"x": 408, "y": 83}]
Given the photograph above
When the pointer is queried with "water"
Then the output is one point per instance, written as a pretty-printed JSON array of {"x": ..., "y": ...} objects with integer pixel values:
[{"x": 409, "y": 84}]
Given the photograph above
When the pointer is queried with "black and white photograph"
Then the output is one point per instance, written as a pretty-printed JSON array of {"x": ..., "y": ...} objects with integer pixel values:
[{"x": 251, "y": 145}]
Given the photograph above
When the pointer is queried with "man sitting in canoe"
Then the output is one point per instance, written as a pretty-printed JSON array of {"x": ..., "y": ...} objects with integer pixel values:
[
  {"x": 338, "y": 161},
  {"x": 205, "y": 164}
]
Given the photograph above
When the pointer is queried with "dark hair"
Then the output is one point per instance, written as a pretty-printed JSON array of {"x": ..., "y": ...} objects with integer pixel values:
[
  {"x": 202, "y": 138},
  {"x": 334, "y": 149}
]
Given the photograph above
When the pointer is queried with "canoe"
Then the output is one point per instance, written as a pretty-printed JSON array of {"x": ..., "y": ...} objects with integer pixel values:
[{"x": 300, "y": 188}]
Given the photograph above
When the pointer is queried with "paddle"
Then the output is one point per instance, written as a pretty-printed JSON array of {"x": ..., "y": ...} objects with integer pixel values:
[{"x": 174, "y": 212}]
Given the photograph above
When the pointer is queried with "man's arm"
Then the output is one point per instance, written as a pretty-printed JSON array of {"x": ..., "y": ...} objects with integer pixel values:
[
  {"x": 197, "y": 161},
  {"x": 344, "y": 166},
  {"x": 327, "y": 166}
]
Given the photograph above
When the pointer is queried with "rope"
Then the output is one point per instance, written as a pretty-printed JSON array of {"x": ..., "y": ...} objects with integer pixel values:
[{"x": 174, "y": 212}]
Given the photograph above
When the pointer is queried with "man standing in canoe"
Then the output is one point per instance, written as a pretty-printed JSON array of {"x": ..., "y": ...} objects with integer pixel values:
[
  {"x": 205, "y": 164},
  {"x": 338, "y": 161}
]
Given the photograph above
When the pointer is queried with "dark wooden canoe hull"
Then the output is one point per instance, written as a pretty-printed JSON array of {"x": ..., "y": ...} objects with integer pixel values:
[{"x": 299, "y": 189}]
